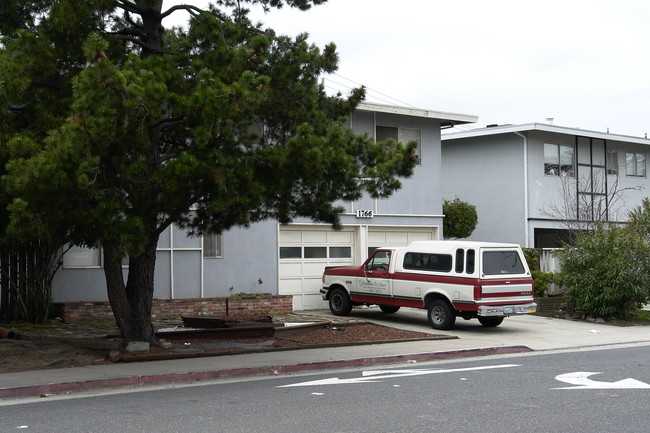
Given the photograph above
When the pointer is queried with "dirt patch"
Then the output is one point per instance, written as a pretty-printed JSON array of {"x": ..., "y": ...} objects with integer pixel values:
[{"x": 45, "y": 353}]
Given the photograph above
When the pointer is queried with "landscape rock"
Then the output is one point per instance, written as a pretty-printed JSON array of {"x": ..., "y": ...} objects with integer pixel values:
[{"x": 137, "y": 346}]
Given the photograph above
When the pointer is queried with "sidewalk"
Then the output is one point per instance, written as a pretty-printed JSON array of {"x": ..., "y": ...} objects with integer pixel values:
[{"x": 516, "y": 334}]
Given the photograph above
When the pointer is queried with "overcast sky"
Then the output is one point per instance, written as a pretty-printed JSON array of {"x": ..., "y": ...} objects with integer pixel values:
[{"x": 584, "y": 63}]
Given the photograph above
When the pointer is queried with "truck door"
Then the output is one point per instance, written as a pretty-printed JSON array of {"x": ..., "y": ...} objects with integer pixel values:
[{"x": 374, "y": 277}]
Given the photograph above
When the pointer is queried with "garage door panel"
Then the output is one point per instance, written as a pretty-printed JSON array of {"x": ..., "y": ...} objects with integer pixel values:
[
  {"x": 343, "y": 237},
  {"x": 415, "y": 236},
  {"x": 290, "y": 236},
  {"x": 397, "y": 238},
  {"x": 316, "y": 268},
  {"x": 290, "y": 269},
  {"x": 291, "y": 286},
  {"x": 316, "y": 236},
  {"x": 377, "y": 238}
]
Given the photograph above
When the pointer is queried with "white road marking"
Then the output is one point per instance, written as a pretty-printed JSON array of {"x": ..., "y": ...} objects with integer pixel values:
[
  {"x": 582, "y": 381},
  {"x": 377, "y": 375}
]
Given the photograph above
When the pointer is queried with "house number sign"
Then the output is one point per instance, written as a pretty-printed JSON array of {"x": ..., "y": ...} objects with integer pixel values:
[{"x": 362, "y": 213}]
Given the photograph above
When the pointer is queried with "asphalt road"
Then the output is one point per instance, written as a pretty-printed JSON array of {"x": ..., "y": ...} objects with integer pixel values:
[{"x": 549, "y": 392}]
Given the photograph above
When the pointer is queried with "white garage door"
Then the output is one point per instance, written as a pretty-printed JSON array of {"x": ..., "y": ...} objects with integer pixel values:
[
  {"x": 306, "y": 250},
  {"x": 395, "y": 237},
  {"x": 304, "y": 253}
]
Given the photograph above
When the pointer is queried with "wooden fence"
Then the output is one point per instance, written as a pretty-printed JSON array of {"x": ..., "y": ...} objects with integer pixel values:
[{"x": 25, "y": 277}]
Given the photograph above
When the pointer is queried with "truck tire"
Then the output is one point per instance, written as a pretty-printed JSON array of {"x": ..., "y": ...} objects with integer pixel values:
[
  {"x": 389, "y": 309},
  {"x": 490, "y": 322},
  {"x": 340, "y": 303},
  {"x": 440, "y": 315}
]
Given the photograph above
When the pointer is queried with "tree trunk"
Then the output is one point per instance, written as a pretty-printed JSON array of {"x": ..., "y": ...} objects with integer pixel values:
[{"x": 131, "y": 302}]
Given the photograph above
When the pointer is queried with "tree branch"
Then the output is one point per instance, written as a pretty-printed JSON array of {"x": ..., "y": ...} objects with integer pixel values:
[
  {"x": 129, "y": 7},
  {"x": 192, "y": 10},
  {"x": 139, "y": 43}
]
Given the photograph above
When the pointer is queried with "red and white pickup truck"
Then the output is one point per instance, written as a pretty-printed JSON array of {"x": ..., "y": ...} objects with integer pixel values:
[{"x": 488, "y": 281}]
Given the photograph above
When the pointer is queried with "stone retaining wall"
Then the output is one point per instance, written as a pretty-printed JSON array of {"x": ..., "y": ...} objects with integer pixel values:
[{"x": 172, "y": 308}]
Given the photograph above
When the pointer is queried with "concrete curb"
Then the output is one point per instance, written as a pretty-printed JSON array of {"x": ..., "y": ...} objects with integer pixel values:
[{"x": 140, "y": 380}]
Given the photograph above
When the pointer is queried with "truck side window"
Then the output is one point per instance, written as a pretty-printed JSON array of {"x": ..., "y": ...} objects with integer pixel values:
[
  {"x": 379, "y": 261},
  {"x": 439, "y": 262},
  {"x": 460, "y": 260},
  {"x": 470, "y": 262},
  {"x": 416, "y": 261}
]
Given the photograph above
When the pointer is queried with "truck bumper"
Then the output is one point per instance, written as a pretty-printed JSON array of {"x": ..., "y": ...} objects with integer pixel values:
[
  {"x": 506, "y": 310},
  {"x": 323, "y": 293}
]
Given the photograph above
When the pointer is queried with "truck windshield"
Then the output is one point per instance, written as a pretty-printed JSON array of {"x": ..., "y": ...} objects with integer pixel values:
[{"x": 502, "y": 263}]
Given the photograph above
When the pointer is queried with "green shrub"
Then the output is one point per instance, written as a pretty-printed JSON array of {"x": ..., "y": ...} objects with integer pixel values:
[
  {"x": 541, "y": 280},
  {"x": 460, "y": 219},
  {"x": 607, "y": 272},
  {"x": 532, "y": 256}
]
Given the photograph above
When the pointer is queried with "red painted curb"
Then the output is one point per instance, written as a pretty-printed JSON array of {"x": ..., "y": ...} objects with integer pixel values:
[{"x": 35, "y": 390}]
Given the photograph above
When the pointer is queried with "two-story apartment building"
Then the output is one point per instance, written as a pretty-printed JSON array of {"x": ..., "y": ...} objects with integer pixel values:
[
  {"x": 534, "y": 183},
  {"x": 289, "y": 260}
]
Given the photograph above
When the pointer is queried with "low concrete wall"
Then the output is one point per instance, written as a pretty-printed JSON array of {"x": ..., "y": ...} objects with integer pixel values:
[{"x": 171, "y": 308}]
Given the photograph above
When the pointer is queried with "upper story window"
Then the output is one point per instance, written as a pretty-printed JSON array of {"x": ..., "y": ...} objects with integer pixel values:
[
  {"x": 400, "y": 134},
  {"x": 612, "y": 162},
  {"x": 212, "y": 245},
  {"x": 559, "y": 160},
  {"x": 635, "y": 164}
]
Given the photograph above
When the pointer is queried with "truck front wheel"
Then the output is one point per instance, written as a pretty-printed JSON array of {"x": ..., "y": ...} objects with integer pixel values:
[
  {"x": 340, "y": 304},
  {"x": 440, "y": 315},
  {"x": 490, "y": 322}
]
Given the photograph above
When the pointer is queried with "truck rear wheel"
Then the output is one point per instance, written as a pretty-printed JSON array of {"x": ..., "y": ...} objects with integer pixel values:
[
  {"x": 389, "y": 309},
  {"x": 490, "y": 322},
  {"x": 340, "y": 303},
  {"x": 440, "y": 315}
]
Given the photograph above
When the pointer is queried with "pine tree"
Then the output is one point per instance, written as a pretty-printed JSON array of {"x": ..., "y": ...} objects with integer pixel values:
[{"x": 115, "y": 127}]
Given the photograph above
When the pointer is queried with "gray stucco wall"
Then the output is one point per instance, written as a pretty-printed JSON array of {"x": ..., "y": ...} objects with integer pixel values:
[
  {"x": 249, "y": 255},
  {"x": 488, "y": 172},
  {"x": 420, "y": 194}
]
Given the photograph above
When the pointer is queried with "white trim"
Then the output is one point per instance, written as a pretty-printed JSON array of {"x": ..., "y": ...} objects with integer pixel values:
[
  {"x": 396, "y": 215},
  {"x": 496, "y": 130},
  {"x": 526, "y": 198},
  {"x": 455, "y": 118}
]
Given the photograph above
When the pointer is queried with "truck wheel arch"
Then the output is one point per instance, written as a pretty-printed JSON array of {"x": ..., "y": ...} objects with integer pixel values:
[{"x": 332, "y": 288}]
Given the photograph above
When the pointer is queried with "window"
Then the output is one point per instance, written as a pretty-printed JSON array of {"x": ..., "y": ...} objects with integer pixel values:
[
  {"x": 290, "y": 252},
  {"x": 212, "y": 246},
  {"x": 635, "y": 164},
  {"x": 400, "y": 134},
  {"x": 612, "y": 162},
  {"x": 315, "y": 252},
  {"x": 502, "y": 263},
  {"x": 470, "y": 262},
  {"x": 428, "y": 262},
  {"x": 340, "y": 252},
  {"x": 81, "y": 257},
  {"x": 559, "y": 160},
  {"x": 379, "y": 262},
  {"x": 460, "y": 259}
]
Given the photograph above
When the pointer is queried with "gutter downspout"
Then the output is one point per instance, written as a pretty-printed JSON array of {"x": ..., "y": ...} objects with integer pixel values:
[{"x": 527, "y": 235}]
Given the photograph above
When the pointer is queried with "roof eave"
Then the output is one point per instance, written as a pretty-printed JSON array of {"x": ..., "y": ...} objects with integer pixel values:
[
  {"x": 496, "y": 130},
  {"x": 450, "y": 118}
]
